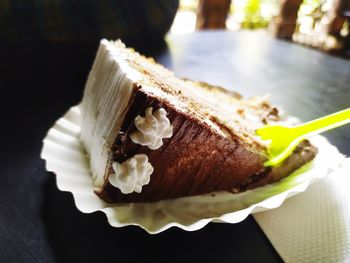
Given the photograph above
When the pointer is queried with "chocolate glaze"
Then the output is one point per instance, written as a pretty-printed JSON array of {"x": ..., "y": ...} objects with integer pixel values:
[{"x": 195, "y": 160}]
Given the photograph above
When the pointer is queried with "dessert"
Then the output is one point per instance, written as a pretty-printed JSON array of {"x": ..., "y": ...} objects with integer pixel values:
[{"x": 152, "y": 136}]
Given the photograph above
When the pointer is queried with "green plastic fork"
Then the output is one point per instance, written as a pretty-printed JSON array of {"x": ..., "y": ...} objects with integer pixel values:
[{"x": 284, "y": 139}]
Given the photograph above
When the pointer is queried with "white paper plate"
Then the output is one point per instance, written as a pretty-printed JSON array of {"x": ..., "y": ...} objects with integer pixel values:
[{"x": 66, "y": 157}]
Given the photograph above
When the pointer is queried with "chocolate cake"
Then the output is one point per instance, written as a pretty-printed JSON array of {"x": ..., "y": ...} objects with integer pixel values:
[{"x": 152, "y": 136}]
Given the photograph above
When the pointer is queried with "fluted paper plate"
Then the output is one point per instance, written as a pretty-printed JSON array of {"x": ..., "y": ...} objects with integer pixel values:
[{"x": 66, "y": 157}]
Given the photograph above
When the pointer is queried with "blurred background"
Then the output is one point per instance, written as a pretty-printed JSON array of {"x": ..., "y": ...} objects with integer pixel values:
[{"x": 322, "y": 24}]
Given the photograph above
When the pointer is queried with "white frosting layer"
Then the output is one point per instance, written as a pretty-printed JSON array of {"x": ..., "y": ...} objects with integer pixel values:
[
  {"x": 132, "y": 174},
  {"x": 107, "y": 93},
  {"x": 152, "y": 129}
]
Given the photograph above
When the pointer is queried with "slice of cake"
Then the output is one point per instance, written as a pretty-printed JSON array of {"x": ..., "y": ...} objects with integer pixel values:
[{"x": 153, "y": 136}]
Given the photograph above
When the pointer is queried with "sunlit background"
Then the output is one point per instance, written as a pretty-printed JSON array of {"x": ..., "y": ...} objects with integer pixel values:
[
  {"x": 251, "y": 14},
  {"x": 257, "y": 14}
]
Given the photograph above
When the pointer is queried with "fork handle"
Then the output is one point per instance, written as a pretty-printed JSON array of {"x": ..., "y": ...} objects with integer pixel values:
[{"x": 324, "y": 124}]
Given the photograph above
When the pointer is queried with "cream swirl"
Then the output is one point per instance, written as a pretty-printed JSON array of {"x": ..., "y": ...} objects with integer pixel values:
[
  {"x": 132, "y": 174},
  {"x": 152, "y": 129}
]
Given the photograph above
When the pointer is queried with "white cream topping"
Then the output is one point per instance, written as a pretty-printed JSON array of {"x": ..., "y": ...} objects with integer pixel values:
[
  {"x": 132, "y": 174},
  {"x": 152, "y": 129}
]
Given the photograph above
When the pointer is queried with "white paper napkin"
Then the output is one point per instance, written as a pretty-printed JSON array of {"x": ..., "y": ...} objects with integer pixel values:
[{"x": 313, "y": 226}]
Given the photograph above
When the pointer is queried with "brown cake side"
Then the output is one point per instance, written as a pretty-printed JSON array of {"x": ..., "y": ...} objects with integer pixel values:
[{"x": 196, "y": 159}]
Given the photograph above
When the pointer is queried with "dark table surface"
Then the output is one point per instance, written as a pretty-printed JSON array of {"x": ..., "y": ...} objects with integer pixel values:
[{"x": 38, "y": 83}]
